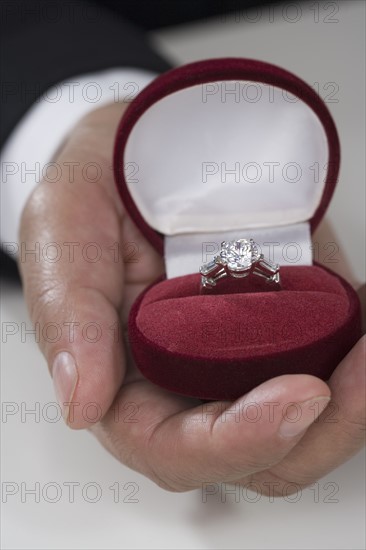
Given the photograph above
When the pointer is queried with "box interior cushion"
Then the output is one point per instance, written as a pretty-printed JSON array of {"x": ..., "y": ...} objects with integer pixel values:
[
  {"x": 220, "y": 346},
  {"x": 194, "y": 162},
  {"x": 174, "y": 315}
]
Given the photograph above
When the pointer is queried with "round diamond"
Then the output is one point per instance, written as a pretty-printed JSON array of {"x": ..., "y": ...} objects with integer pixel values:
[{"x": 239, "y": 255}]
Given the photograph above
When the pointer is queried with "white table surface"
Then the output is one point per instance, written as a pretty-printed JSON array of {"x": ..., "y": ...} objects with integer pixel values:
[{"x": 36, "y": 450}]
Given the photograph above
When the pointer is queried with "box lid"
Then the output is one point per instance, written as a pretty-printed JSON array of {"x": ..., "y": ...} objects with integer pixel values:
[{"x": 225, "y": 144}]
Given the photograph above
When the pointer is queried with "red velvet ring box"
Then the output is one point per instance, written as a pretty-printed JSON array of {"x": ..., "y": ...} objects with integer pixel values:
[{"x": 220, "y": 150}]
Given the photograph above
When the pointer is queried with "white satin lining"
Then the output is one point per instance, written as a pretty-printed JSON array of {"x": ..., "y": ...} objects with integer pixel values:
[{"x": 199, "y": 162}]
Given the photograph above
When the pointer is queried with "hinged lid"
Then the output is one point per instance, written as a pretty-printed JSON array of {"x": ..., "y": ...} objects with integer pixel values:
[{"x": 225, "y": 145}]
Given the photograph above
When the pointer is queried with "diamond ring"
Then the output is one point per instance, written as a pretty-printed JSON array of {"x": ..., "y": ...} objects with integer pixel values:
[{"x": 239, "y": 259}]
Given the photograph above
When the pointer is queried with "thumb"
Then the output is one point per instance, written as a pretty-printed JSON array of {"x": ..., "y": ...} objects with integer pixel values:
[
  {"x": 79, "y": 337},
  {"x": 85, "y": 363},
  {"x": 74, "y": 299},
  {"x": 74, "y": 304}
]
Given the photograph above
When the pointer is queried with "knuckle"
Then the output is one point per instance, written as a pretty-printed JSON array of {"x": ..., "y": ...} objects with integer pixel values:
[
  {"x": 32, "y": 208},
  {"x": 354, "y": 428},
  {"x": 44, "y": 301}
]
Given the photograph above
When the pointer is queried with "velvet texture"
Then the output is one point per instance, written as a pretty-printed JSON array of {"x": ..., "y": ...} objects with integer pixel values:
[
  {"x": 214, "y": 70},
  {"x": 220, "y": 345}
]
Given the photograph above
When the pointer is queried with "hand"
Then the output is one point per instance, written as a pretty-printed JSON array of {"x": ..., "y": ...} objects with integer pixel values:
[{"x": 178, "y": 442}]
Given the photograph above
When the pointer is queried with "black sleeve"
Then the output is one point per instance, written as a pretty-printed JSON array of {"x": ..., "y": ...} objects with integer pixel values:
[
  {"x": 153, "y": 14},
  {"x": 45, "y": 42}
]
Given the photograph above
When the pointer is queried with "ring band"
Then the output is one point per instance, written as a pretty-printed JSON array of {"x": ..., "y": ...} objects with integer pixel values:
[{"x": 239, "y": 259}]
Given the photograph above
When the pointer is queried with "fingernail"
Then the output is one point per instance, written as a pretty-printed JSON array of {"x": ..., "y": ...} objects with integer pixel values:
[
  {"x": 297, "y": 417},
  {"x": 65, "y": 377}
]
